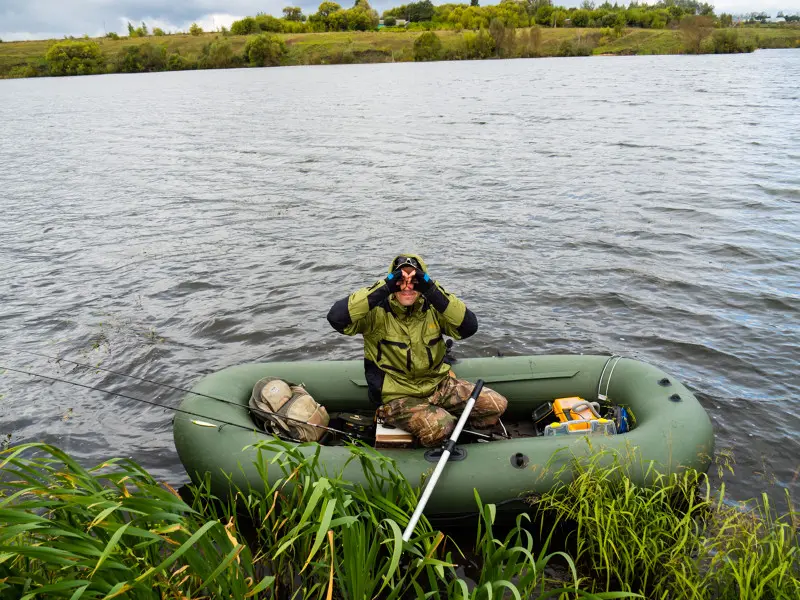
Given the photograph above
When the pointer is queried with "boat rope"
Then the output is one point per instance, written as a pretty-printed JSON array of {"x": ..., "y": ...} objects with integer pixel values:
[{"x": 260, "y": 412}]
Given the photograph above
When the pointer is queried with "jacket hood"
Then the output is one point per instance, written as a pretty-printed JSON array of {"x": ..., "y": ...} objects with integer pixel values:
[{"x": 416, "y": 257}]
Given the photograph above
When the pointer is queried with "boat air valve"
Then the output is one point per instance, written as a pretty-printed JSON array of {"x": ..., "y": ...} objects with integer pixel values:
[
  {"x": 519, "y": 460},
  {"x": 675, "y": 398},
  {"x": 664, "y": 382}
]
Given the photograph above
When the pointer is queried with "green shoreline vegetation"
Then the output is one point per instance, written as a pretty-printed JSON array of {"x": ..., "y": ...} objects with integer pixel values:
[
  {"x": 113, "y": 531},
  {"x": 418, "y": 31}
]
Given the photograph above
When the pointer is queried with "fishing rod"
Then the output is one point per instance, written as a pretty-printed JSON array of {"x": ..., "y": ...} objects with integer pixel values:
[
  {"x": 484, "y": 436},
  {"x": 172, "y": 387},
  {"x": 179, "y": 410}
]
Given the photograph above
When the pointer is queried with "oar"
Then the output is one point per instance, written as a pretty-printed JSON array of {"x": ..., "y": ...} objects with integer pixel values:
[{"x": 448, "y": 449}]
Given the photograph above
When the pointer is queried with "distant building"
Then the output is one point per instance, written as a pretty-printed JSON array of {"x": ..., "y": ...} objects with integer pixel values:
[
  {"x": 397, "y": 23},
  {"x": 776, "y": 20}
]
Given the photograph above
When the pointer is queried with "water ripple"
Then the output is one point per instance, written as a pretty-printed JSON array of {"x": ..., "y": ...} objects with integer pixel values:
[{"x": 172, "y": 224}]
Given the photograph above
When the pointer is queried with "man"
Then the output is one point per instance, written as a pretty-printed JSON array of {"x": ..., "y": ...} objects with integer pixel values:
[{"x": 403, "y": 318}]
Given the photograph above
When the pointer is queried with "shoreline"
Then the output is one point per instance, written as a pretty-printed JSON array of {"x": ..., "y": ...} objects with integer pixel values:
[{"x": 175, "y": 52}]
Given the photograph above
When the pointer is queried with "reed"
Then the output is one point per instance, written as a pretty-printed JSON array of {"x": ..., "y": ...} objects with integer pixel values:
[
  {"x": 107, "y": 532},
  {"x": 113, "y": 531},
  {"x": 674, "y": 539}
]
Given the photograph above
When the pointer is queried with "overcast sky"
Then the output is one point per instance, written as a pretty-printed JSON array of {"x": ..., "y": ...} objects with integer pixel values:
[{"x": 44, "y": 19}]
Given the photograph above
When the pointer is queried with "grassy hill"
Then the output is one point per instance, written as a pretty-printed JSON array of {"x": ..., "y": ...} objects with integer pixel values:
[{"x": 25, "y": 59}]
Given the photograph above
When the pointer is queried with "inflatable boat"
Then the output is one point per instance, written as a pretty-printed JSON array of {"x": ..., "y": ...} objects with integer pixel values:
[{"x": 668, "y": 430}]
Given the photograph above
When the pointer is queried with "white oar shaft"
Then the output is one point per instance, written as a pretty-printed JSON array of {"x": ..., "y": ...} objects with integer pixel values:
[{"x": 426, "y": 494}]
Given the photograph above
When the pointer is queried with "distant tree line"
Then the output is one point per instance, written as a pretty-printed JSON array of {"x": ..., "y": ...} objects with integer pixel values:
[{"x": 330, "y": 16}]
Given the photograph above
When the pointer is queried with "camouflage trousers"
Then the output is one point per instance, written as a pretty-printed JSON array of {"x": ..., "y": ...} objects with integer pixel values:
[{"x": 432, "y": 419}]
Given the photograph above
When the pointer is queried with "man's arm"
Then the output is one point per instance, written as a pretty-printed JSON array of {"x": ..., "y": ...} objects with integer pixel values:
[
  {"x": 348, "y": 315},
  {"x": 459, "y": 322}
]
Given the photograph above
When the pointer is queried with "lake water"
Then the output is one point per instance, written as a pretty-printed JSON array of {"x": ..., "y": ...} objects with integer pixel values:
[{"x": 168, "y": 225}]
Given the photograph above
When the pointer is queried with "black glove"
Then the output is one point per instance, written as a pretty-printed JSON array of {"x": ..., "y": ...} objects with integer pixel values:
[
  {"x": 427, "y": 287},
  {"x": 422, "y": 281},
  {"x": 393, "y": 280}
]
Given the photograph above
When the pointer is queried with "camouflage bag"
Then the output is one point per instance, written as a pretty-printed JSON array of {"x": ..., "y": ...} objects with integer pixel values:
[{"x": 272, "y": 395}]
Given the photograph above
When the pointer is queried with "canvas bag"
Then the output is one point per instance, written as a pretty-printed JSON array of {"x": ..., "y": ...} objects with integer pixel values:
[{"x": 274, "y": 395}]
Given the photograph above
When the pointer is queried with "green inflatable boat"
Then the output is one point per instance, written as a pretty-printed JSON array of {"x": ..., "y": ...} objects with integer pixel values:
[{"x": 671, "y": 431}]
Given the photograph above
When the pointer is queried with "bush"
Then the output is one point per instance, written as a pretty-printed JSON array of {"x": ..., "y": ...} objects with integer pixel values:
[
  {"x": 530, "y": 42},
  {"x": 726, "y": 41},
  {"x": 389, "y": 22},
  {"x": 195, "y": 29},
  {"x": 158, "y": 31},
  {"x": 264, "y": 50},
  {"x": 112, "y": 35},
  {"x": 176, "y": 62},
  {"x": 143, "y": 58},
  {"x": 22, "y": 71},
  {"x": 218, "y": 55},
  {"x": 576, "y": 47},
  {"x": 428, "y": 46},
  {"x": 478, "y": 45},
  {"x": 75, "y": 58}
]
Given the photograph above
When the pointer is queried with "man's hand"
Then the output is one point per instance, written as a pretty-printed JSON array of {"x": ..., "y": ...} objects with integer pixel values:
[
  {"x": 422, "y": 281},
  {"x": 395, "y": 279}
]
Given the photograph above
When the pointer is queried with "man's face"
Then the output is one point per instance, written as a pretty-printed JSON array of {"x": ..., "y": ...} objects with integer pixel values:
[{"x": 407, "y": 296}]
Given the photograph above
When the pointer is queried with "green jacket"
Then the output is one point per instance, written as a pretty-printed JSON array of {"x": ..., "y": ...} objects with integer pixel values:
[{"x": 404, "y": 348}]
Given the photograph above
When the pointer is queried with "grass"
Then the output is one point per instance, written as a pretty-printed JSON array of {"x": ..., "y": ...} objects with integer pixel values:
[
  {"x": 388, "y": 46},
  {"x": 113, "y": 531},
  {"x": 673, "y": 539}
]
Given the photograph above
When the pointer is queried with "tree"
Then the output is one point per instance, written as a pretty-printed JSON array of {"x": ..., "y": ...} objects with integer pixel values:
[
  {"x": 158, "y": 31},
  {"x": 141, "y": 31},
  {"x": 531, "y": 42},
  {"x": 427, "y": 47},
  {"x": 505, "y": 38},
  {"x": 264, "y": 50},
  {"x": 326, "y": 9},
  {"x": 544, "y": 14},
  {"x": 419, "y": 11},
  {"x": 245, "y": 26},
  {"x": 269, "y": 23},
  {"x": 195, "y": 29},
  {"x": 474, "y": 3},
  {"x": 294, "y": 13},
  {"x": 694, "y": 30},
  {"x": 580, "y": 18}
]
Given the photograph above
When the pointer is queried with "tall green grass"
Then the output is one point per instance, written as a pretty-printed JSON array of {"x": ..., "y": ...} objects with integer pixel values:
[
  {"x": 673, "y": 539},
  {"x": 110, "y": 532},
  {"x": 114, "y": 532}
]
